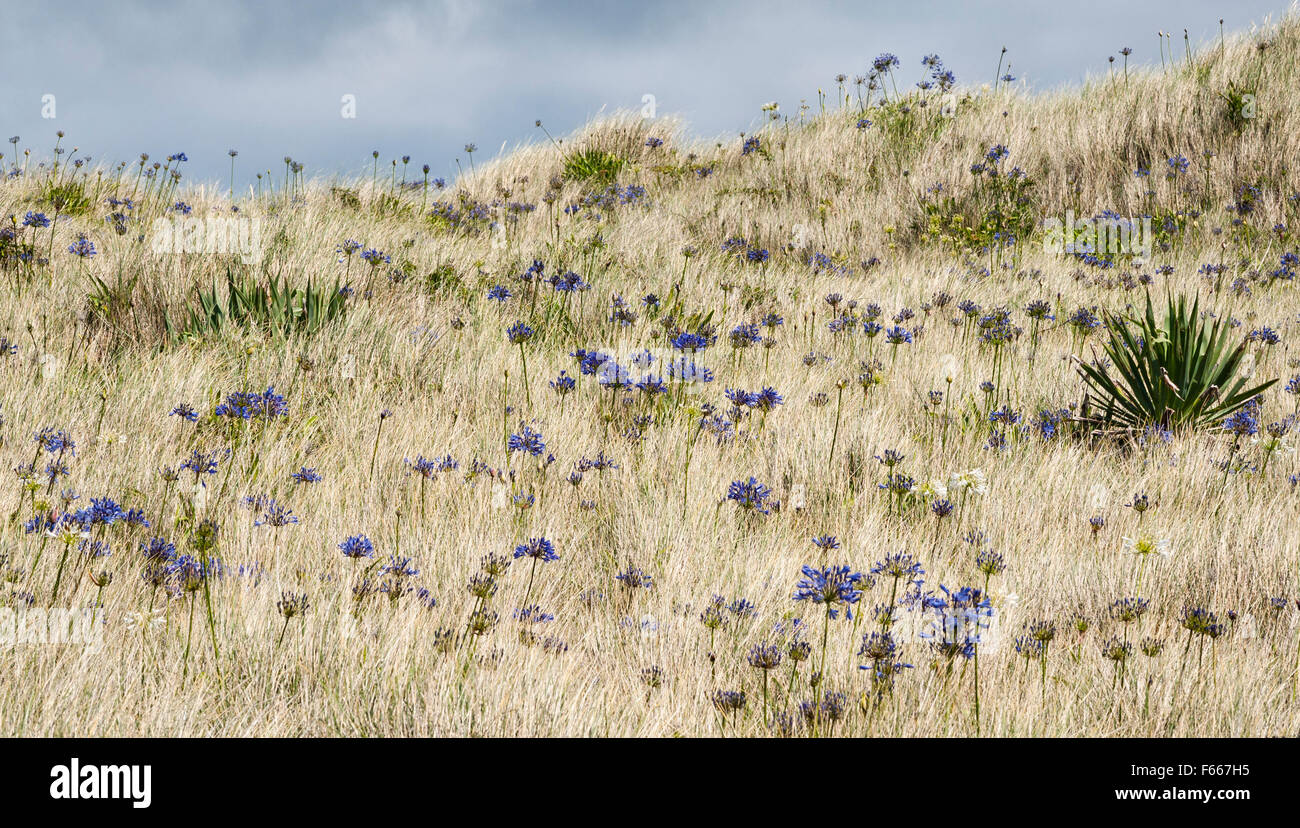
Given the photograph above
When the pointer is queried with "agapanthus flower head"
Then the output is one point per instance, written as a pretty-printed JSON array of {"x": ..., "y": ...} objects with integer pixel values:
[
  {"x": 633, "y": 578},
  {"x": 878, "y": 646},
  {"x": 357, "y": 546},
  {"x": 961, "y": 618},
  {"x": 1040, "y": 309},
  {"x": 540, "y": 549},
  {"x": 767, "y": 399},
  {"x": 532, "y": 614},
  {"x": 158, "y": 549},
  {"x": 55, "y": 441},
  {"x": 1200, "y": 621},
  {"x": 729, "y": 701},
  {"x": 185, "y": 412},
  {"x": 1029, "y": 648},
  {"x": 833, "y": 586},
  {"x": 751, "y": 496},
  {"x": 306, "y": 475},
  {"x": 251, "y": 405},
  {"x": 201, "y": 462},
  {"x": 526, "y": 441},
  {"x": 188, "y": 572},
  {"x": 898, "y": 335},
  {"x": 519, "y": 333},
  {"x": 973, "y": 481},
  {"x": 687, "y": 341},
  {"x": 990, "y": 562},
  {"x": 898, "y": 565},
  {"x": 399, "y": 567},
  {"x": 83, "y": 247},
  {"x": 897, "y": 483},
  {"x": 292, "y": 604},
  {"x": 883, "y": 62},
  {"x": 1043, "y": 629},
  {"x": 826, "y": 543},
  {"x": 1244, "y": 422},
  {"x": 275, "y": 514},
  {"x": 1126, "y": 610},
  {"x": 563, "y": 383},
  {"x": 764, "y": 656},
  {"x": 1116, "y": 650},
  {"x": 890, "y": 458}
]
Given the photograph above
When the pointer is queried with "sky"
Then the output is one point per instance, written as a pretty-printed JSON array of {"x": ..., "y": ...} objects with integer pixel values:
[{"x": 268, "y": 79}]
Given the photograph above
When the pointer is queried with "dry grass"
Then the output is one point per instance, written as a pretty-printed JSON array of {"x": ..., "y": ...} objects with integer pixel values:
[{"x": 433, "y": 350}]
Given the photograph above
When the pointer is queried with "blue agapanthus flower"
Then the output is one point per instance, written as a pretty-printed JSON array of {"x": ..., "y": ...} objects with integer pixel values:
[
  {"x": 898, "y": 565},
  {"x": 357, "y": 546},
  {"x": 201, "y": 462},
  {"x": 962, "y": 616},
  {"x": 250, "y": 405},
  {"x": 306, "y": 475},
  {"x": 686, "y": 341},
  {"x": 519, "y": 333},
  {"x": 185, "y": 412},
  {"x": 55, "y": 441},
  {"x": 539, "y": 549},
  {"x": 634, "y": 578},
  {"x": 882, "y": 63},
  {"x": 82, "y": 247},
  {"x": 158, "y": 549},
  {"x": 833, "y": 586},
  {"x": 750, "y": 495},
  {"x": 527, "y": 441},
  {"x": 276, "y": 515},
  {"x": 1245, "y": 421}
]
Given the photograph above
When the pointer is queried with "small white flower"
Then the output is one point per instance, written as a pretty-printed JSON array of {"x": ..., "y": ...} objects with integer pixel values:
[
  {"x": 1147, "y": 545},
  {"x": 138, "y": 620},
  {"x": 68, "y": 534},
  {"x": 973, "y": 481},
  {"x": 949, "y": 368},
  {"x": 931, "y": 490},
  {"x": 1273, "y": 445}
]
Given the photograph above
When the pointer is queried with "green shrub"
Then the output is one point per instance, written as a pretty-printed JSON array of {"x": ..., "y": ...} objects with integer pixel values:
[{"x": 593, "y": 165}]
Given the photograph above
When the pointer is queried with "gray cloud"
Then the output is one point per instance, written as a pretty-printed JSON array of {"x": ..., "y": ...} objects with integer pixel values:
[{"x": 428, "y": 77}]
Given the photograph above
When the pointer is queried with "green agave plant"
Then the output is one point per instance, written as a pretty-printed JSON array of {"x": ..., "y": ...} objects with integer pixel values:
[
  {"x": 276, "y": 309},
  {"x": 1182, "y": 373}
]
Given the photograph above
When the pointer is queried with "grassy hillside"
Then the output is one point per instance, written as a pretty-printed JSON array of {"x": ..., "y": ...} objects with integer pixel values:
[{"x": 756, "y": 329}]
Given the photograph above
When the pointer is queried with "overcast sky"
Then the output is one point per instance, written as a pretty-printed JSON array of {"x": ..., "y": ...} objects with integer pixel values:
[{"x": 268, "y": 78}]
